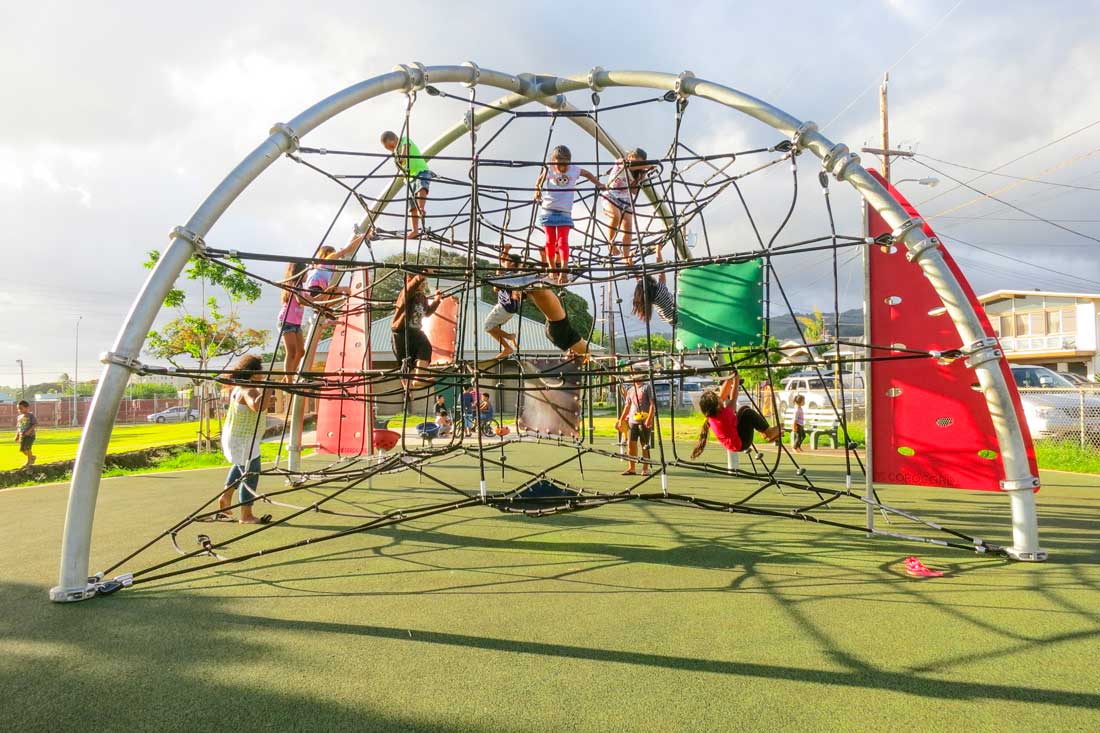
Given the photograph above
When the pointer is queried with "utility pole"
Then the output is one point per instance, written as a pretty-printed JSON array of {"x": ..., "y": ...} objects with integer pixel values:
[
  {"x": 22, "y": 381},
  {"x": 76, "y": 362},
  {"x": 885, "y": 122}
]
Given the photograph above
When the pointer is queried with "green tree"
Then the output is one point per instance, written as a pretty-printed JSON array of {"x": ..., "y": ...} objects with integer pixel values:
[
  {"x": 814, "y": 329},
  {"x": 210, "y": 334},
  {"x": 658, "y": 343},
  {"x": 750, "y": 359}
]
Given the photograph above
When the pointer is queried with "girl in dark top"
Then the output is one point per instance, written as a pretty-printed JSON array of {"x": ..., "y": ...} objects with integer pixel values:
[{"x": 410, "y": 343}]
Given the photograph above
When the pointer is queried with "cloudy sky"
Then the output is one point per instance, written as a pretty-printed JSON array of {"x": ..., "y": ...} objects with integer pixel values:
[{"x": 119, "y": 118}]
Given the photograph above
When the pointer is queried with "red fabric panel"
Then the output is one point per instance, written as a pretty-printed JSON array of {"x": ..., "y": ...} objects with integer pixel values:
[
  {"x": 441, "y": 328},
  {"x": 937, "y": 430},
  {"x": 342, "y": 424}
]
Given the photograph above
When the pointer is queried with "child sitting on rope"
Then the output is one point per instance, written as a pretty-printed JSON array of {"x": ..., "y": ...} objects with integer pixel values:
[
  {"x": 652, "y": 292},
  {"x": 410, "y": 343},
  {"x": 623, "y": 183},
  {"x": 733, "y": 428},
  {"x": 508, "y": 302},
  {"x": 318, "y": 280},
  {"x": 242, "y": 432},
  {"x": 557, "y": 187},
  {"x": 417, "y": 176}
]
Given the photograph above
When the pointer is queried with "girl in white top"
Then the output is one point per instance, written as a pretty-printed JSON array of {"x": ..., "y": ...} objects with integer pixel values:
[
  {"x": 241, "y": 435},
  {"x": 623, "y": 183},
  {"x": 556, "y": 187}
]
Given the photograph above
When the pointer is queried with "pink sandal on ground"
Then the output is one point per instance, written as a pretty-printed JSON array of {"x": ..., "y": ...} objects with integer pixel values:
[{"x": 917, "y": 569}]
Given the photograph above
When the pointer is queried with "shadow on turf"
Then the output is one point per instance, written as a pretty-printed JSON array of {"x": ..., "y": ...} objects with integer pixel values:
[
  {"x": 136, "y": 666},
  {"x": 860, "y": 675}
]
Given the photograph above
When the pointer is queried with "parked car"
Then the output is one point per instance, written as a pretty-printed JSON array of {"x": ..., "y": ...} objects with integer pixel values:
[
  {"x": 1079, "y": 381},
  {"x": 1052, "y": 404},
  {"x": 174, "y": 414},
  {"x": 817, "y": 388},
  {"x": 686, "y": 394}
]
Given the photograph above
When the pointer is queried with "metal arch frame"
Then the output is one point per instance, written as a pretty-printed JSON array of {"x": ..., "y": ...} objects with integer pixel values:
[{"x": 73, "y": 579}]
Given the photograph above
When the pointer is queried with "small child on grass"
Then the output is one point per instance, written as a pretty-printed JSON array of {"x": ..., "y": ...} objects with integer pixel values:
[{"x": 26, "y": 429}]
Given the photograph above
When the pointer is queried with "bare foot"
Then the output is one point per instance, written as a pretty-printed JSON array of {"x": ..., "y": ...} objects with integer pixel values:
[
  {"x": 772, "y": 434},
  {"x": 413, "y": 233}
]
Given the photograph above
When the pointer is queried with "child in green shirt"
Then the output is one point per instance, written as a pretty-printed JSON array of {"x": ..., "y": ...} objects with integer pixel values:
[{"x": 415, "y": 169}]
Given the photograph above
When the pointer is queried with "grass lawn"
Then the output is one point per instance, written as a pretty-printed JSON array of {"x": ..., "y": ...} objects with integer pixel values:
[
  {"x": 636, "y": 616},
  {"x": 60, "y": 444}
]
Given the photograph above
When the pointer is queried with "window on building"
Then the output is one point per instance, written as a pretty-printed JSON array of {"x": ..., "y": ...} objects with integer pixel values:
[
  {"x": 1006, "y": 329},
  {"x": 1054, "y": 321},
  {"x": 1030, "y": 324}
]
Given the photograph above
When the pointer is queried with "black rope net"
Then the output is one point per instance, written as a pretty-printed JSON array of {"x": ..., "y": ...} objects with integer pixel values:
[{"x": 478, "y": 207}]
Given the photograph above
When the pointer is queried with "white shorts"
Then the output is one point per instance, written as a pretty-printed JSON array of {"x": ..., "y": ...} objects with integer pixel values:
[{"x": 497, "y": 317}]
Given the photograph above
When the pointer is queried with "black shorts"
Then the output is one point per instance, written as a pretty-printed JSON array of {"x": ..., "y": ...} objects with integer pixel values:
[
  {"x": 639, "y": 432},
  {"x": 25, "y": 443},
  {"x": 411, "y": 343},
  {"x": 562, "y": 334}
]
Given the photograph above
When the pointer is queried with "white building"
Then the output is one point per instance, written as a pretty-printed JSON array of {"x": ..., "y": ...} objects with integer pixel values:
[{"x": 1056, "y": 330}]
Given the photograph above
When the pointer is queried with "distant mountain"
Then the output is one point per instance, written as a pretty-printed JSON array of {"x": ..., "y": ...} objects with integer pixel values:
[{"x": 851, "y": 324}]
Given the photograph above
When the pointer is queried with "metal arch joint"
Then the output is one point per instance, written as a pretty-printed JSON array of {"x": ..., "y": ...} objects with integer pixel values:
[
  {"x": 593, "y": 79},
  {"x": 838, "y": 160},
  {"x": 288, "y": 134},
  {"x": 799, "y": 137},
  {"x": 903, "y": 229},
  {"x": 126, "y": 362},
  {"x": 189, "y": 236},
  {"x": 982, "y": 351},
  {"x": 415, "y": 76},
  {"x": 921, "y": 248},
  {"x": 682, "y": 80},
  {"x": 1028, "y": 483},
  {"x": 475, "y": 74}
]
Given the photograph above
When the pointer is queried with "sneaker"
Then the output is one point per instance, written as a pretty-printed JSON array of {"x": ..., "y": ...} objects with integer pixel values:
[{"x": 917, "y": 569}]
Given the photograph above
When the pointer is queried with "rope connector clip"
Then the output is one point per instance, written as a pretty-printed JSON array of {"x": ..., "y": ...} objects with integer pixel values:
[
  {"x": 982, "y": 351},
  {"x": 127, "y": 362},
  {"x": 288, "y": 134},
  {"x": 189, "y": 236}
]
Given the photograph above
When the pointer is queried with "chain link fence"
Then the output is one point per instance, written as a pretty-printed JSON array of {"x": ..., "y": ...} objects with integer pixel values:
[{"x": 1067, "y": 416}]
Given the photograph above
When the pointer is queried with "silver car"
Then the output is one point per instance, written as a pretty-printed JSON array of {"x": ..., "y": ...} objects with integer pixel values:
[
  {"x": 174, "y": 414},
  {"x": 1052, "y": 404}
]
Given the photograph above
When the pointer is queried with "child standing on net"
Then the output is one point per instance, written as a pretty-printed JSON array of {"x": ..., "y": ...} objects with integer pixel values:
[
  {"x": 557, "y": 187},
  {"x": 623, "y": 183},
  {"x": 733, "y": 428},
  {"x": 26, "y": 429},
  {"x": 799, "y": 422},
  {"x": 241, "y": 435},
  {"x": 508, "y": 302},
  {"x": 415, "y": 169}
]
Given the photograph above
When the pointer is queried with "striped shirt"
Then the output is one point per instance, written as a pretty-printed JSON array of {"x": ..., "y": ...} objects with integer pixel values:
[{"x": 665, "y": 305}]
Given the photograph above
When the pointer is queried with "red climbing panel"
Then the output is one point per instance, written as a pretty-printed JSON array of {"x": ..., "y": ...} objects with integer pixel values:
[
  {"x": 441, "y": 328},
  {"x": 342, "y": 424},
  {"x": 930, "y": 427}
]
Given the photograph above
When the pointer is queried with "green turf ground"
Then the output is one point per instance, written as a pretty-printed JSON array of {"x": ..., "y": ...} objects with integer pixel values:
[
  {"x": 631, "y": 617},
  {"x": 60, "y": 444}
]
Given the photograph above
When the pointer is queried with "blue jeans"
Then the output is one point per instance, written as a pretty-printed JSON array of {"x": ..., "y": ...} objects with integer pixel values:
[
  {"x": 422, "y": 181},
  {"x": 246, "y": 479}
]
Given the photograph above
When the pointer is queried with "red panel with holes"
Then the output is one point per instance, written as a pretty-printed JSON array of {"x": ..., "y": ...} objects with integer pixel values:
[
  {"x": 342, "y": 424},
  {"x": 930, "y": 426}
]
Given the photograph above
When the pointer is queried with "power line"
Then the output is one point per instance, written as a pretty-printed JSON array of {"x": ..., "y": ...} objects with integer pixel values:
[
  {"x": 1018, "y": 219},
  {"x": 1006, "y": 175},
  {"x": 1006, "y": 203},
  {"x": 1029, "y": 263},
  {"x": 1014, "y": 160}
]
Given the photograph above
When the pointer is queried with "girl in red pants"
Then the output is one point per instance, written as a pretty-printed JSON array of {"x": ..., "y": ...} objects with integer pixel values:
[{"x": 556, "y": 187}]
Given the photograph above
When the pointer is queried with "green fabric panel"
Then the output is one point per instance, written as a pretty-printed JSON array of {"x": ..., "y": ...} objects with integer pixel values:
[{"x": 720, "y": 305}]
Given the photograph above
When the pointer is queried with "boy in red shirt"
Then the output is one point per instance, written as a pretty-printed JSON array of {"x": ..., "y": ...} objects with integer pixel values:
[{"x": 733, "y": 428}]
